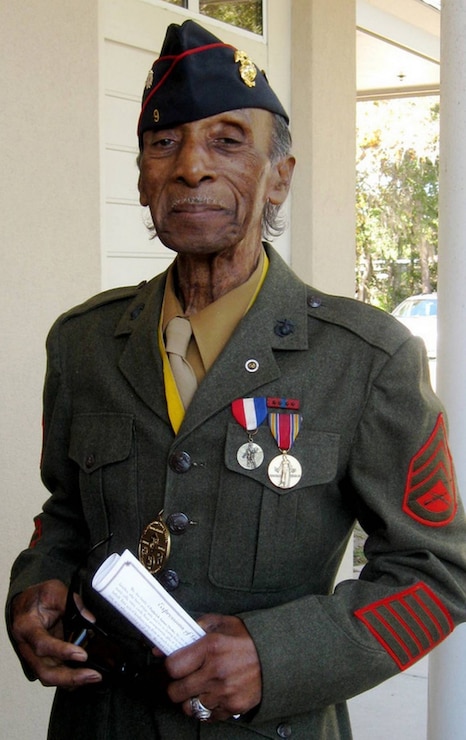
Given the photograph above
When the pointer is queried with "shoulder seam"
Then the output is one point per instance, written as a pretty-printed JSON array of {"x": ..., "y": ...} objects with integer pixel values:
[
  {"x": 113, "y": 295},
  {"x": 369, "y": 323}
]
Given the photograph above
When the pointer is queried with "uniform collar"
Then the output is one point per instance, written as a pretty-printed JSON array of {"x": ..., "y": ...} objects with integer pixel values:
[
  {"x": 213, "y": 326},
  {"x": 280, "y": 303}
]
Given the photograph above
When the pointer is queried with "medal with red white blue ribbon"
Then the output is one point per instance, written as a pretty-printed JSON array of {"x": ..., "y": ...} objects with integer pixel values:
[
  {"x": 250, "y": 413},
  {"x": 284, "y": 470}
]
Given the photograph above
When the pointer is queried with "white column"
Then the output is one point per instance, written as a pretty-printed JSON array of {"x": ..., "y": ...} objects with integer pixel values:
[
  {"x": 447, "y": 665},
  {"x": 323, "y": 125}
]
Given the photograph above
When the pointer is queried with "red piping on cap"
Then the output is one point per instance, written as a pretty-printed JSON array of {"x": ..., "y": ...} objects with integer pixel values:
[{"x": 177, "y": 59}]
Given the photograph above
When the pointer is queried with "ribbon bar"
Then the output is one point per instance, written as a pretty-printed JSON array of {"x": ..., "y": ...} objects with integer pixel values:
[{"x": 283, "y": 403}]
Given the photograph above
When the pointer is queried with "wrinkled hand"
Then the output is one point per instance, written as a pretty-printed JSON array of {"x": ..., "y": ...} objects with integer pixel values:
[
  {"x": 37, "y": 629},
  {"x": 222, "y": 669}
]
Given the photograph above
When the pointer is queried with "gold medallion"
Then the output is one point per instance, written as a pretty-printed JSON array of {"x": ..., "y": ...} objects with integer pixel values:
[
  {"x": 154, "y": 546},
  {"x": 285, "y": 471},
  {"x": 247, "y": 68}
]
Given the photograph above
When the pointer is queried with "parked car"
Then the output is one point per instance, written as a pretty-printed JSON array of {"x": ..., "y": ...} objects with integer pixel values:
[{"x": 419, "y": 314}]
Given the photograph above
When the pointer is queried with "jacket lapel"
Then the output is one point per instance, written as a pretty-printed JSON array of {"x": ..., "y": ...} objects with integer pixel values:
[{"x": 140, "y": 361}]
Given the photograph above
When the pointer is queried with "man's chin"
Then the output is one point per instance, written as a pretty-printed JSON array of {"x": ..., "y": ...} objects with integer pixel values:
[{"x": 198, "y": 243}]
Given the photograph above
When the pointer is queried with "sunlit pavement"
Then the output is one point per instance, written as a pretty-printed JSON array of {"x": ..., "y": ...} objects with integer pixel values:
[{"x": 395, "y": 710}]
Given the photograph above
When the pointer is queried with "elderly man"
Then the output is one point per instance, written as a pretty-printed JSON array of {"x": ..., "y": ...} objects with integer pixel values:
[{"x": 237, "y": 468}]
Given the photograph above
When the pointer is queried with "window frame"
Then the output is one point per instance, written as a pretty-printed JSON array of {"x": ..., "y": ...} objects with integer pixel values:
[{"x": 193, "y": 9}]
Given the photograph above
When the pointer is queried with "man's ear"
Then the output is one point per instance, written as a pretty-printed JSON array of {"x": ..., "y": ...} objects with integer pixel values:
[
  {"x": 281, "y": 179},
  {"x": 142, "y": 195}
]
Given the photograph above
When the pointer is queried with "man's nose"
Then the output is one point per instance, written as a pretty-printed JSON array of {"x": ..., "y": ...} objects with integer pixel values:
[{"x": 193, "y": 164}]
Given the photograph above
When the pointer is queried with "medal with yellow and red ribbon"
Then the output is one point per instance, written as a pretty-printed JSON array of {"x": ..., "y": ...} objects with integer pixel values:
[
  {"x": 284, "y": 470},
  {"x": 250, "y": 413}
]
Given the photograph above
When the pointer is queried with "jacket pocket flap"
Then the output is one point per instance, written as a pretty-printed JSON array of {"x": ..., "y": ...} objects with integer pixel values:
[
  {"x": 100, "y": 439},
  {"x": 316, "y": 451}
]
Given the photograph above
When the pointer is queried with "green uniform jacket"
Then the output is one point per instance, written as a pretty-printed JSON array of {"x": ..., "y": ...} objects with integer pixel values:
[{"x": 372, "y": 447}]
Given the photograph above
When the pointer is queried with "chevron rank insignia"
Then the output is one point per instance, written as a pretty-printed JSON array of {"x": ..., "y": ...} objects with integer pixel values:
[{"x": 430, "y": 492}]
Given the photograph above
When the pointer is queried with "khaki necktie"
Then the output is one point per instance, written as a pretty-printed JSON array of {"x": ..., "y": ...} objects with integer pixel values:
[{"x": 177, "y": 336}]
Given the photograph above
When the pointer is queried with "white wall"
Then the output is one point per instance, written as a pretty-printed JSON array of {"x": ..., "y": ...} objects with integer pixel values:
[{"x": 50, "y": 259}]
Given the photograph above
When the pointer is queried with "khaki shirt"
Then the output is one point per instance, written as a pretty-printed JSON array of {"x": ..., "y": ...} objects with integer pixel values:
[{"x": 212, "y": 328}]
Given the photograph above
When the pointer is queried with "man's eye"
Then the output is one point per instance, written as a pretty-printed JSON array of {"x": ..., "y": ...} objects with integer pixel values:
[
  {"x": 228, "y": 141},
  {"x": 162, "y": 142}
]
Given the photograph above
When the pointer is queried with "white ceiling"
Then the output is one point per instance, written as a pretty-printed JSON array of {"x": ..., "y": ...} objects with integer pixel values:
[{"x": 398, "y": 48}]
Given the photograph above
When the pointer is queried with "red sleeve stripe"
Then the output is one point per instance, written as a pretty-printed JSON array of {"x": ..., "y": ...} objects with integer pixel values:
[
  {"x": 403, "y": 652},
  {"x": 409, "y": 624},
  {"x": 411, "y": 632}
]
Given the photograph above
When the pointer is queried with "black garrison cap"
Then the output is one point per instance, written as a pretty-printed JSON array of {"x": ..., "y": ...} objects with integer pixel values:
[{"x": 196, "y": 76}]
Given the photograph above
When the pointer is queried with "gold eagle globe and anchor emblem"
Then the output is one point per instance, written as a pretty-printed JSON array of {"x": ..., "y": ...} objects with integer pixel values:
[
  {"x": 247, "y": 68},
  {"x": 149, "y": 80}
]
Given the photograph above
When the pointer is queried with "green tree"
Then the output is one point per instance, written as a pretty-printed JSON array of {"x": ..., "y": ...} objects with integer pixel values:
[
  {"x": 240, "y": 13},
  {"x": 245, "y": 14},
  {"x": 397, "y": 207}
]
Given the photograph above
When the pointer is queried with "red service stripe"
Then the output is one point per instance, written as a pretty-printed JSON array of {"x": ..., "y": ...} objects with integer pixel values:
[
  {"x": 421, "y": 594},
  {"x": 407, "y": 628},
  {"x": 396, "y": 636},
  {"x": 422, "y": 626}
]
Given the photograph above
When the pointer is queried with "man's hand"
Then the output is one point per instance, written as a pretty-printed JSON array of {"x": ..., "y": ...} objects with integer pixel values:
[
  {"x": 222, "y": 669},
  {"x": 37, "y": 629}
]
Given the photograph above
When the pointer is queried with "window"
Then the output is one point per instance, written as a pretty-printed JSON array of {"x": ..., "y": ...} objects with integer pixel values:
[{"x": 245, "y": 14}]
